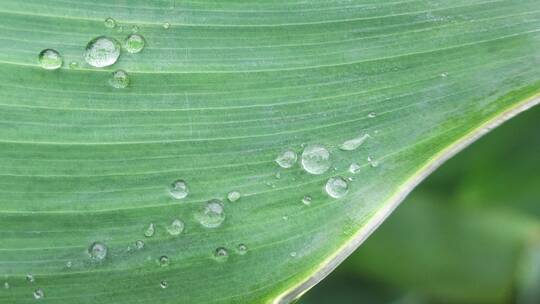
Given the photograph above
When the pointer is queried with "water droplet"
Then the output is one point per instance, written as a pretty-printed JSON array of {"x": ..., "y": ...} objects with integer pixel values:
[
  {"x": 179, "y": 189},
  {"x": 242, "y": 249},
  {"x": 176, "y": 227},
  {"x": 39, "y": 294},
  {"x": 164, "y": 261},
  {"x": 221, "y": 254},
  {"x": 69, "y": 264},
  {"x": 278, "y": 175},
  {"x": 315, "y": 159},
  {"x": 286, "y": 159},
  {"x": 119, "y": 79},
  {"x": 372, "y": 115},
  {"x": 354, "y": 168},
  {"x": 163, "y": 284},
  {"x": 212, "y": 214},
  {"x": 306, "y": 200},
  {"x": 139, "y": 244},
  {"x": 74, "y": 65},
  {"x": 166, "y": 25},
  {"x": 285, "y": 218},
  {"x": 6, "y": 285},
  {"x": 444, "y": 75},
  {"x": 102, "y": 51},
  {"x": 149, "y": 232},
  {"x": 30, "y": 278},
  {"x": 97, "y": 251},
  {"x": 354, "y": 143},
  {"x": 134, "y": 43},
  {"x": 109, "y": 23},
  {"x": 50, "y": 59},
  {"x": 372, "y": 162},
  {"x": 293, "y": 254},
  {"x": 233, "y": 196},
  {"x": 337, "y": 187}
]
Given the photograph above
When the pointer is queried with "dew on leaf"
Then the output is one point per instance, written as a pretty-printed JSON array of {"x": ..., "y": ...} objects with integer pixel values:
[
  {"x": 286, "y": 159},
  {"x": 166, "y": 25},
  {"x": 242, "y": 249},
  {"x": 354, "y": 168},
  {"x": 139, "y": 244},
  {"x": 50, "y": 59},
  {"x": 150, "y": 230},
  {"x": 134, "y": 43},
  {"x": 315, "y": 159},
  {"x": 39, "y": 294},
  {"x": 97, "y": 251},
  {"x": 176, "y": 227},
  {"x": 178, "y": 189},
  {"x": 211, "y": 214},
  {"x": 102, "y": 51},
  {"x": 109, "y": 23},
  {"x": 221, "y": 254},
  {"x": 30, "y": 278},
  {"x": 233, "y": 196},
  {"x": 353, "y": 144},
  {"x": 163, "y": 284},
  {"x": 164, "y": 261},
  {"x": 337, "y": 187}
]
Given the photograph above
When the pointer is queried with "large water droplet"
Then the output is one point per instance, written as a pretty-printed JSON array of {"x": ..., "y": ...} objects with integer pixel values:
[
  {"x": 50, "y": 59},
  {"x": 315, "y": 159},
  {"x": 119, "y": 79},
  {"x": 337, "y": 187},
  {"x": 286, "y": 159},
  {"x": 178, "y": 189},
  {"x": 109, "y": 22},
  {"x": 354, "y": 143},
  {"x": 176, "y": 227},
  {"x": 221, "y": 254},
  {"x": 134, "y": 43},
  {"x": 102, "y": 51},
  {"x": 164, "y": 261},
  {"x": 242, "y": 249},
  {"x": 211, "y": 215},
  {"x": 149, "y": 232},
  {"x": 39, "y": 294},
  {"x": 233, "y": 196},
  {"x": 97, "y": 251}
]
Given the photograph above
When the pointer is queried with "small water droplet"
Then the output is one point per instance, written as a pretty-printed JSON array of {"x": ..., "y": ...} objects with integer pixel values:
[
  {"x": 6, "y": 285},
  {"x": 102, "y": 51},
  {"x": 285, "y": 218},
  {"x": 163, "y": 284},
  {"x": 139, "y": 244},
  {"x": 69, "y": 264},
  {"x": 179, "y": 189},
  {"x": 212, "y": 214},
  {"x": 110, "y": 23},
  {"x": 233, "y": 196},
  {"x": 50, "y": 59},
  {"x": 176, "y": 227},
  {"x": 278, "y": 175},
  {"x": 337, "y": 187},
  {"x": 97, "y": 251},
  {"x": 221, "y": 254},
  {"x": 164, "y": 261},
  {"x": 293, "y": 254},
  {"x": 306, "y": 200},
  {"x": 30, "y": 278},
  {"x": 372, "y": 162},
  {"x": 74, "y": 65},
  {"x": 39, "y": 294},
  {"x": 444, "y": 75},
  {"x": 354, "y": 143},
  {"x": 166, "y": 25},
  {"x": 242, "y": 249},
  {"x": 119, "y": 79},
  {"x": 135, "y": 29},
  {"x": 149, "y": 232},
  {"x": 372, "y": 115},
  {"x": 134, "y": 43},
  {"x": 286, "y": 159},
  {"x": 315, "y": 159},
  {"x": 354, "y": 168}
]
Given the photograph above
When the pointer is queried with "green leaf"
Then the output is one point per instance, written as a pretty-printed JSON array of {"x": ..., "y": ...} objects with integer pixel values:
[{"x": 212, "y": 101}]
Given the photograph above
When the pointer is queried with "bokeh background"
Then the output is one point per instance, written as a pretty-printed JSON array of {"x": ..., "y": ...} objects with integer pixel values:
[{"x": 469, "y": 234}]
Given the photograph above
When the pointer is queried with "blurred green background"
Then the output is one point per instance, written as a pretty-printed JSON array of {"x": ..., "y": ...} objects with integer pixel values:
[{"x": 469, "y": 234}]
